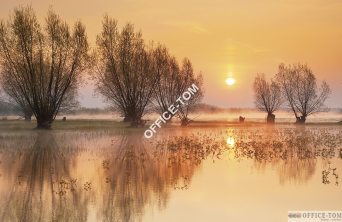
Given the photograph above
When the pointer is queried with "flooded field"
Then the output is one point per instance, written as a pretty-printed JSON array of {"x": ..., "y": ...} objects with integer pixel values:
[{"x": 235, "y": 172}]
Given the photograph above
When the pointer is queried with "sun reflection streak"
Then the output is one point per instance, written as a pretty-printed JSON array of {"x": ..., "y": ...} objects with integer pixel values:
[{"x": 230, "y": 142}]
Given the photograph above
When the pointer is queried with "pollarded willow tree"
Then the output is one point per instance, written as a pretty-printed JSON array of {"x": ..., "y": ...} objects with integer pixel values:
[
  {"x": 125, "y": 73},
  {"x": 174, "y": 81},
  {"x": 166, "y": 92},
  {"x": 299, "y": 88},
  {"x": 190, "y": 90},
  {"x": 42, "y": 65},
  {"x": 267, "y": 96}
]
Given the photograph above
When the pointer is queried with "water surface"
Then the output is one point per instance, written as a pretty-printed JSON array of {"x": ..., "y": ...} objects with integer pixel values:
[{"x": 253, "y": 173}]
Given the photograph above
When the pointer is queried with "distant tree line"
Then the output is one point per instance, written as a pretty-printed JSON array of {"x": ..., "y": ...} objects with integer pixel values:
[
  {"x": 43, "y": 66},
  {"x": 90, "y": 111},
  {"x": 211, "y": 109},
  {"x": 295, "y": 89}
]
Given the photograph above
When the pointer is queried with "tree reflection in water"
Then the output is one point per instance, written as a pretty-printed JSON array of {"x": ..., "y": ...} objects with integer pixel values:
[
  {"x": 135, "y": 179},
  {"x": 128, "y": 180},
  {"x": 66, "y": 177},
  {"x": 33, "y": 197}
]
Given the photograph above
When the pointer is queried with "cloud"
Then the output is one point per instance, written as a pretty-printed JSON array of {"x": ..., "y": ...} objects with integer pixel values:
[
  {"x": 190, "y": 26},
  {"x": 237, "y": 48}
]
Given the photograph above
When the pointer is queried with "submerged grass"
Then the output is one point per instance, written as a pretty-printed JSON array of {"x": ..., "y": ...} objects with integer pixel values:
[
  {"x": 20, "y": 125},
  {"x": 85, "y": 124}
]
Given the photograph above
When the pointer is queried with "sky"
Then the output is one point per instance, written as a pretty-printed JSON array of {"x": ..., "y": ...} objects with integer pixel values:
[{"x": 223, "y": 38}]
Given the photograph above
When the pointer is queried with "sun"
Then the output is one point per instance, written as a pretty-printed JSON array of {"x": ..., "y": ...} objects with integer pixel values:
[{"x": 230, "y": 81}]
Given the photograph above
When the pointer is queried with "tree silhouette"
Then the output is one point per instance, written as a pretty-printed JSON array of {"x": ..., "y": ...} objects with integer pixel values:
[
  {"x": 167, "y": 91},
  {"x": 125, "y": 74},
  {"x": 187, "y": 80},
  {"x": 267, "y": 96},
  {"x": 298, "y": 85},
  {"x": 42, "y": 66},
  {"x": 174, "y": 81}
]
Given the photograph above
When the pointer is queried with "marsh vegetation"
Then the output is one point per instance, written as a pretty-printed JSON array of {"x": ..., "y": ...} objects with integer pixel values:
[{"x": 115, "y": 174}]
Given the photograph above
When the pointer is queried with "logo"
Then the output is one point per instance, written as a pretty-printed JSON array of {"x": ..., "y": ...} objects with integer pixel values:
[
  {"x": 314, "y": 216},
  {"x": 295, "y": 215},
  {"x": 172, "y": 109}
]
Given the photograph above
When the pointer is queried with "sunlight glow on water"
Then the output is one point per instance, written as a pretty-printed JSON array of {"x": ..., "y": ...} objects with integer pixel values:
[
  {"x": 188, "y": 174},
  {"x": 230, "y": 142}
]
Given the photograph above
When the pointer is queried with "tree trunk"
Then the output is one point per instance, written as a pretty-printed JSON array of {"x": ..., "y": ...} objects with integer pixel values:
[
  {"x": 137, "y": 122},
  {"x": 301, "y": 120},
  {"x": 127, "y": 119},
  {"x": 184, "y": 122},
  {"x": 134, "y": 123},
  {"x": 28, "y": 118},
  {"x": 27, "y": 111},
  {"x": 270, "y": 118},
  {"x": 169, "y": 120},
  {"x": 44, "y": 125}
]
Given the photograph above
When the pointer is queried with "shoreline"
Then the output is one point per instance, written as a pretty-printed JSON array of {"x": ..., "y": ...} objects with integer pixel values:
[{"x": 103, "y": 124}]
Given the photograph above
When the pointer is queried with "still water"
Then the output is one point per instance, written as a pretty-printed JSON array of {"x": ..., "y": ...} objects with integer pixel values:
[{"x": 253, "y": 173}]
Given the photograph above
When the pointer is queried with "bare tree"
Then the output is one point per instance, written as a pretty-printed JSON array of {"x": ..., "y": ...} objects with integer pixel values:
[
  {"x": 267, "y": 96},
  {"x": 18, "y": 105},
  {"x": 125, "y": 73},
  {"x": 16, "y": 101},
  {"x": 6, "y": 106},
  {"x": 23, "y": 109},
  {"x": 3, "y": 104},
  {"x": 173, "y": 83},
  {"x": 167, "y": 90},
  {"x": 42, "y": 65},
  {"x": 299, "y": 88},
  {"x": 186, "y": 81}
]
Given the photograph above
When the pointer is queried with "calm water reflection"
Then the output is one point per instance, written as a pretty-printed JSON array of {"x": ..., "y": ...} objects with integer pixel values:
[{"x": 196, "y": 174}]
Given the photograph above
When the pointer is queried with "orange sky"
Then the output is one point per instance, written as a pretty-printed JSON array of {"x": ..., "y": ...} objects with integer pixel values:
[{"x": 236, "y": 38}]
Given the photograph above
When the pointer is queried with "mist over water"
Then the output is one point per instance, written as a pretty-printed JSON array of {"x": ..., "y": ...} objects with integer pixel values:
[{"x": 281, "y": 117}]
